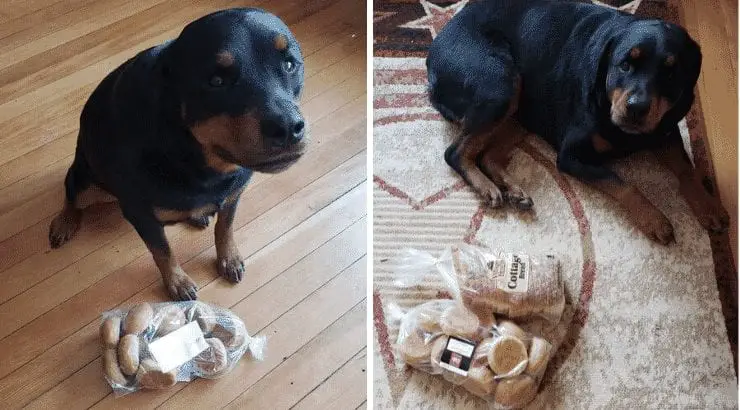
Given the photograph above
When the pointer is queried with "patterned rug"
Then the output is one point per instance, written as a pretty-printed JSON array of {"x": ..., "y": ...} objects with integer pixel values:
[{"x": 646, "y": 326}]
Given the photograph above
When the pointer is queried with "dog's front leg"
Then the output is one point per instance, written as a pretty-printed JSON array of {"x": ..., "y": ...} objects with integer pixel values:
[
  {"x": 179, "y": 285},
  {"x": 230, "y": 264},
  {"x": 644, "y": 214},
  {"x": 707, "y": 208}
]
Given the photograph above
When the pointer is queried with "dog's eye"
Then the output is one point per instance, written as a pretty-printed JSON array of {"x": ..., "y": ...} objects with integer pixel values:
[
  {"x": 625, "y": 67},
  {"x": 216, "y": 81},
  {"x": 289, "y": 66}
]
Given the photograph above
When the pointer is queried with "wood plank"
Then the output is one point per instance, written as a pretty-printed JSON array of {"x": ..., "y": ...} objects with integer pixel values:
[
  {"x": 307, "y": 368},
  {"x": 345, "y": 389}
]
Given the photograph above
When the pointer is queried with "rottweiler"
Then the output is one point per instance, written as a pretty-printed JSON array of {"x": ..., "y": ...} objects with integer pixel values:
[
  {"x": 175, "y": 133},
  {"x": 596, "y": 83}
]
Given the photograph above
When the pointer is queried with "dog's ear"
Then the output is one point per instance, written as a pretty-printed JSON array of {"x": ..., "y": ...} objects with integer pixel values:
[
  {"x": 163, "y": 66},
  {"x": 689, "y": 60},
  {"x": 595, "y": 65}
]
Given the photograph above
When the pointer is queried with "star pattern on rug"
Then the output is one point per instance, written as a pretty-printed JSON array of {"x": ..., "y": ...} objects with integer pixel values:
[
  {"x": 630, "y": 7},
  {"x": 435, "y": 16}
]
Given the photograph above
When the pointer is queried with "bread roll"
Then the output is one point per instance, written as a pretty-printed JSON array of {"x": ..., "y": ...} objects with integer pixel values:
[
  {"x": 414, "y": 350},
  {"x": 506, "y": 354},
  {"x": 509, "y": 328},
  {"x": 110, "y": 332},
  {"x": 111, "y": 369},
  {"x": 138, "y": 319},
  {"x": 232, "y": 336},
  {"x": 150, "y": 376},
  {"x": 128, "y": 354},
  {"x": 515, "y": 392},
  {"x": 480, "y": 380},
  {"x": 480, "y": 355},
  {"x": 539, "y": 355},
  {"x": 458, "y": 321},
  {"x": 212, "y": 361}
]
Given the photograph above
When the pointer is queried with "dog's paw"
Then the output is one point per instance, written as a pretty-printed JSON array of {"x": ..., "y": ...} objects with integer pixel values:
[
  {"x": 519, "y": 199},
  {"x": 231, "y": 267},
  {"x": 63, "y": 227},
  {"x": 708, "y": 209},
  {"x": 713, "y": 217},
  {"x": 200, "y": 222},
  {"x": 656, "y": 226},
  {"x": 181, "y": 287},
  {"x": 492, "y": 196}
]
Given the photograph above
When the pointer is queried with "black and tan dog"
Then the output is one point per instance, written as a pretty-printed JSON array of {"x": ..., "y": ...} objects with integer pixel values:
[
  {"x": 175, "y": 133},
  {"x": 596, "y": 83}
]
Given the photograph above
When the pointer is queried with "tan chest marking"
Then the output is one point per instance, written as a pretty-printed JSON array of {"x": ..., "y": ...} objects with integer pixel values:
[
  {"x": 600, "y": 144},
  {"x": 172, "y": 215}
]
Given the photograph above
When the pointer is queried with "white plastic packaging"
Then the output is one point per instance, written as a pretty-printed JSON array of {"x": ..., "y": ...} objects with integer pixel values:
[{"x": 154, "y": 346}]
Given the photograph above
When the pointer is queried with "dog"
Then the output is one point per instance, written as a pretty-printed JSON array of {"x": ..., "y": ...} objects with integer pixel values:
[
  {"x": 175, "y": 133},
  {"x": 597, "y": 84}
]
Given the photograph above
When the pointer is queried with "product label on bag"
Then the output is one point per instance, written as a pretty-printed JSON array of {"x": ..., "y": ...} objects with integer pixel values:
[
  {"x": 178, "y": 347},
  {"x": 516, "y": 274},
  {"x": 457, "y": 356}
]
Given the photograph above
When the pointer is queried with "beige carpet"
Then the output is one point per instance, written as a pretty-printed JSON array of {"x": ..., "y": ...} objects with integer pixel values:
[{"x": 644, "y": 326}]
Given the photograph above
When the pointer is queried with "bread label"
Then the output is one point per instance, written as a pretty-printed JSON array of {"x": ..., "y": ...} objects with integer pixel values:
[
  {"x": 457, "y": 355},
  {"x": 516, "y": 275},
  {"x": 176, "y": 348}
]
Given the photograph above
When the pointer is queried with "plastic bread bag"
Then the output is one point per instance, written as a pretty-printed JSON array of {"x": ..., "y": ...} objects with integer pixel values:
[
  {"x": 516, "y": 285},
  {"x": 154, "y": 346},
  {"x": 496, "y": 361}
]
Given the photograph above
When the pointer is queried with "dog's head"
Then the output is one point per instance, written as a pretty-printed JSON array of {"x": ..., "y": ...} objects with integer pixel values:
[
  {"x": 238, "y": 74},
  {"x": 651, "y": 69}
]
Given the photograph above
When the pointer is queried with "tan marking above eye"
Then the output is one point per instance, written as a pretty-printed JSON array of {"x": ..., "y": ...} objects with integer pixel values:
[
  {"x": 281, "y": 42},
  {"x": 600, "y": 144},
  {"x": 635, "y": 52},
  {"x": 224, "y": 59},
  {"x": 670, "y": 61}
]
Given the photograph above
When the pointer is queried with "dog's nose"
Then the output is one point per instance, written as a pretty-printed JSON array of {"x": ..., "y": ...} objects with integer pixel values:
[
  {"x": 637, "y": 107},
  {"x": 284, "y": 130}
]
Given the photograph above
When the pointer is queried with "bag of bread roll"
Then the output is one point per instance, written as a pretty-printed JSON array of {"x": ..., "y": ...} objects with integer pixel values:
[
  {"x": 517, "y": 285},
  {"x": 495, "y": 360},
  {"x": 154, "y": 346}
]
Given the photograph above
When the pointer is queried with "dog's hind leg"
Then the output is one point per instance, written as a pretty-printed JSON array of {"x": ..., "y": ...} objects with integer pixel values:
[
  {"x": 461, "y": 156},
  {"x": 495, "y": 158},
  {"x": 64, "y": 225},
  {"x": 80, "y": 192},
  {"x": 483, "y": 122}
]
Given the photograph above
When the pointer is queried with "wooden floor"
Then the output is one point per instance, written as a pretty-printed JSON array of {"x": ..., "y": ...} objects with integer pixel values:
[{"x": 303, "y": 232}]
